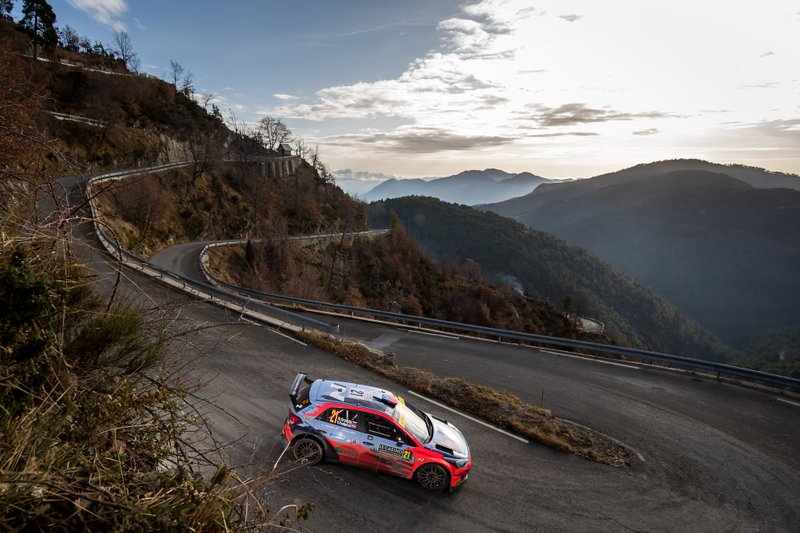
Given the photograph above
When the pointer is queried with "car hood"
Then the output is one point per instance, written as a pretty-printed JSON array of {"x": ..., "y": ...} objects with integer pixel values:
[{"x": 447, "y": 436}]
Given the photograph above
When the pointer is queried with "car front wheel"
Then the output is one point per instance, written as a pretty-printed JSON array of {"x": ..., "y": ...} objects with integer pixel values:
[
  {"x": 433, "y": 477},
  {"x": 307, "y": 451}
]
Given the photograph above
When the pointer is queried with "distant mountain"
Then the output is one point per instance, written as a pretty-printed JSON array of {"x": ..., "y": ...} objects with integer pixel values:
[
  {"x": 543, "y": 266},
  {"x": 724, "y": 252},
  {"x": 469, "y": 187}
]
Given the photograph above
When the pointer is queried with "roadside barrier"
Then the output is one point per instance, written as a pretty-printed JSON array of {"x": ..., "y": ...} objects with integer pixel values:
[
  {"x": 244, "y": 305},
  {"x": 242, "y": 298}
]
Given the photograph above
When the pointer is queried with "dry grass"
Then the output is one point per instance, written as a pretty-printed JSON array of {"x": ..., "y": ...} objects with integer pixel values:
[
  {"x": 98, "y": 432},
  {"x": 500, "y": 408}
]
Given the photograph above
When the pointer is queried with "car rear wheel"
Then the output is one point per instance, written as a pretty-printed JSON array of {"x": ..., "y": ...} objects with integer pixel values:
[
  {"x": 307, "y": 451},
  {"x": 432, "y": 477}
]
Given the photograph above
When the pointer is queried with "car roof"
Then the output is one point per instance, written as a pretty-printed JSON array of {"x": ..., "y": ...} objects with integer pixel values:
[{"x": 323, "y": 390}]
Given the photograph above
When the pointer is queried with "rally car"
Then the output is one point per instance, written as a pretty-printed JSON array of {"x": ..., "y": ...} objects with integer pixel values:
[{"x": 373, "y": 428}]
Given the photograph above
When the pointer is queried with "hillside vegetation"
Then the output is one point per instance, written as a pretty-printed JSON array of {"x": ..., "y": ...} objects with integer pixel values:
[
  {"x": 132, "y": 119},
  {"x": 225, "y": 201},
  {"x": 390, "y": 272},
  {"x": 723, "y": 251},
  {"x": 545, "y": 267},
  {"x": 98, "y": 431}
]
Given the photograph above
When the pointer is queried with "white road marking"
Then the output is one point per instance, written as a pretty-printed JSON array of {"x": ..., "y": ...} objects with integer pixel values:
[
  {"x": 481, "y": 422},
  {"x": 788, "y": 401},
  {"x": 631, "y": 367},
  {"x": 434, "y": 334}
]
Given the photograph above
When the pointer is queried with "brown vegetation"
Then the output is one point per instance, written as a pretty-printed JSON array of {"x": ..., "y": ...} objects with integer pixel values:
[
  {"x": 224, "y": 201},
  {"x": 387, "y": 272},
  {"x": 97, "y": 433}
]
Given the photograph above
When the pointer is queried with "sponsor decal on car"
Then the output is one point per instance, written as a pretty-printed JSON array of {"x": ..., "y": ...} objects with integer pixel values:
[
  {"x": 360, "y": 394},
  {"x": 337, "y": 391},
  {"x": 400, "y": 453},
  {"x": 337, "y": 418}
]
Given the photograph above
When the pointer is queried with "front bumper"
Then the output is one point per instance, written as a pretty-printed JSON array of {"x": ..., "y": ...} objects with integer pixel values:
[{"x": 459, "y": 476}]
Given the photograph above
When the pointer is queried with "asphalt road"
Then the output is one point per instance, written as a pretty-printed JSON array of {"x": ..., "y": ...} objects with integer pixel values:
[{"x": 710, "y": 456}]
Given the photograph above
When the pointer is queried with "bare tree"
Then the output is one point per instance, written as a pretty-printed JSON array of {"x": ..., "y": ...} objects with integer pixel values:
[
  {"x": 70, "y": 38},
  {"x": 175, "y": 72},
  {"x": 187, "y": 84},
  {"x": 85, "y": 45},
  {"x": 205, "y": 99},
  {"x": 126, "y": 51},
  {"x": 273, "y": 132},
  {"x": 319, "y": 166},
  {"x": 301, "y": 148}
]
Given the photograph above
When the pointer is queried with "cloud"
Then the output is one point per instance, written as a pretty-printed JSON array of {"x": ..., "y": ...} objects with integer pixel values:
[
  {"x": 785, "y": 128},
  {"x": 360, "y": 182},
  {"x": 362, "y": 175},
  {"x": 562, "y": 134},
  {"x": 578, "y": 113},
  {"x": 381, "y": 27},
  {"x": 505, "y": 74},
  {"x": 474, "y": 39},
  {"x": 420, "y": 141},
  {"x": 106, "y": 12},
  {"x": 282, "y": 96}
]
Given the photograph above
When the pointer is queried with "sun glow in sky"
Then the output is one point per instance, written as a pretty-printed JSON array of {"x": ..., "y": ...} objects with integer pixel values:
[{"x": 560, "y": 88}]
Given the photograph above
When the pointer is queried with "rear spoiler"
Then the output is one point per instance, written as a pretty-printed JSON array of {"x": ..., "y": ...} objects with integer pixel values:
[{"x": 299, "y": 380}]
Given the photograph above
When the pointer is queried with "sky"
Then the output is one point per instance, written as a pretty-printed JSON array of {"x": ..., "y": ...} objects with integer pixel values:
[{"x": 427, "y": 88}]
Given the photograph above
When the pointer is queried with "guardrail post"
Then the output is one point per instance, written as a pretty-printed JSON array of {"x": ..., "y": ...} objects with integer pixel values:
[{"x": 244, "y": 306}]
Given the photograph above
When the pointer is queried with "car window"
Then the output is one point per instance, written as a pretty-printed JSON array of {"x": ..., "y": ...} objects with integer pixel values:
[
  {"x": 348, "y": 418},
  {"x": 411, "y": 419},
  {"x": 380, "y": 427}
]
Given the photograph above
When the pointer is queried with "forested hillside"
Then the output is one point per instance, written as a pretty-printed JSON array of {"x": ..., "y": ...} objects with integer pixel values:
[
  {"x": 390, "y": 272},
  {"x": 545, "y": 267},
  {"x": 225, "y": 201},
  {"x": 114, "y": 117},
  {"x": 97, "y": 428},
  {"x": 724, "y": 252}
]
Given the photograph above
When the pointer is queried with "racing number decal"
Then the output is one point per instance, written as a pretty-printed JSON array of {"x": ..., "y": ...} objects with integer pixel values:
[
  {"x": 340, "y": 417},
  {"x": 399, "y": 453}
]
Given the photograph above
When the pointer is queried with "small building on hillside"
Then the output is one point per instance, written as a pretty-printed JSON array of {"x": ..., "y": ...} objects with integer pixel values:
[{"x": 284, "y": 150}]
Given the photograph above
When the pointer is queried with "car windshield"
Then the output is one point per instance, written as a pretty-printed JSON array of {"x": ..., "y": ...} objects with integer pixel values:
[{"x": 412, "y": 419}]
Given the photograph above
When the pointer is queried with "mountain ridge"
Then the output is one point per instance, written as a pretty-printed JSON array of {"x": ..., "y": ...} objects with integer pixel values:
[
  {"x": 720, "y": 249},
  {"x": 467, "y": 187}
]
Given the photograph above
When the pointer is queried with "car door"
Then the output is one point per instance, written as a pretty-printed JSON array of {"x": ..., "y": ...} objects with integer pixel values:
[
  {"x": 386, "y": 447},
  {"x": 343, "y": 428}
]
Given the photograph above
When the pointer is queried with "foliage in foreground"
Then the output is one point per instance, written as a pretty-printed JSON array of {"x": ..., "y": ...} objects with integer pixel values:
[
  {"x": 95, "y": 434},
  {"x": 500, "y": 408}
]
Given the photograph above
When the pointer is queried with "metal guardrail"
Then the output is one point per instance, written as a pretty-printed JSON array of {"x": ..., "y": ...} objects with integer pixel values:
[
  {"x": 686, "y": 363},
  {"x": 212, "y": 292},
  {"x": 76, "y": 118}
]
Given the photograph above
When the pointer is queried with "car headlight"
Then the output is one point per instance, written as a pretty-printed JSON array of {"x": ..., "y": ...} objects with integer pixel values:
[{"x": 458, "y": 463}]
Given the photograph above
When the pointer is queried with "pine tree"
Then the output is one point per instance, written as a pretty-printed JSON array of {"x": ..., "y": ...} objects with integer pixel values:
[
  {"x": 5, "y": 8},
  {"x": 39, "y": 19}
]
